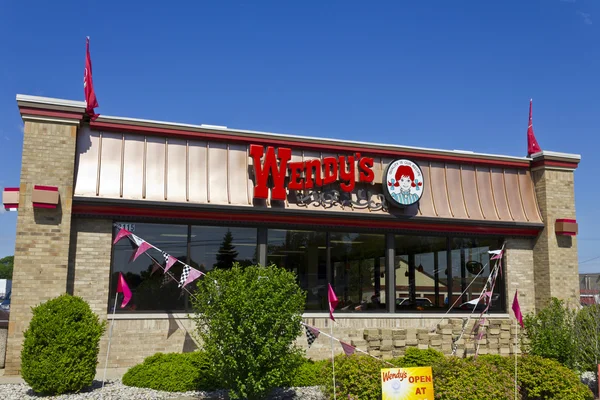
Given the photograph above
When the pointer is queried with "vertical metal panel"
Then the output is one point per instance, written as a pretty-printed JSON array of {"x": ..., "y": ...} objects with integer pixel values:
[
  {"x": 455, "y": 192},
  {"x": 198, "y": 183},
  {"x": 238, "y": 174},
  {"x": 217, "y": 173},
  {"x": 390, "y": 272},
  {"x": 88, "y": 143},
  {"x": 470, "y": 192},
  {"x": 262, "y": 237},
  {"x": 155, "y": 168},
  {"x": 499, "y": 193},
  {"x": 133, "y": 167},
  {"x": 426, "y": 206},
  {"x": 511, "y": 183},
  {"x": 110, "y": 167},
  {"x": 249, "y": 175},
  {"x": 528, "y": 195},
  {"x": 486, "y": 198},
  {"x": 176, "y": 170},
  {"x": 437, "y": 174}
]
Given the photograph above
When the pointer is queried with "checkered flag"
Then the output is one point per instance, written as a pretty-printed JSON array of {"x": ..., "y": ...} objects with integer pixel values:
[
  {"x": 184, "y": 275},
  {"x": 311, "y": 334},
  {"x": 169, "y": 261}
]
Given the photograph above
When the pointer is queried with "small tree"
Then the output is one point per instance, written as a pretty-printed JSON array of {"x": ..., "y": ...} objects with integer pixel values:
[
  {"x": 550, "y": 333},
  {"x": 6, "y": 267},
  {"x": 60, "y": 351},
  {"x": 248, "y": 319},
  {"x": 227, "y": 254}
]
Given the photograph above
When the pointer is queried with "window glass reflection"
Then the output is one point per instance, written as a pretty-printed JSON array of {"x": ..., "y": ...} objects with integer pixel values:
[
  {"x": 304, "y": 253},
  {"x": 220, "y": 246},
  {"x": 421, "y": 267},
  {"x": 358, "y": 262},
  {"x": 471, "y": 269},
  {"x": 150, "y": 292}
]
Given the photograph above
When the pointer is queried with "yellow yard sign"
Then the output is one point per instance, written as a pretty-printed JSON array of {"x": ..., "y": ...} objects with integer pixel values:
[{"x": 407, "y": 383}]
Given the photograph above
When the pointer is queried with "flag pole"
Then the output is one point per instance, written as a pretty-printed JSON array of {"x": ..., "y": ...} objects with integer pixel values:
[
  {"x": 516, "y": 344},
  {"x": 109, "y": 338},
  {"x": 333, "y": 362}
]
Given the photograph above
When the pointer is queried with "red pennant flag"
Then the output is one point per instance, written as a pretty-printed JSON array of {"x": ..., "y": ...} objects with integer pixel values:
[
  {"x": 532, "y": 143},
  {"x": 122, "y": 233},
  {"x": 333, "y": 301},
  {"x": 517, "y": 310},
  {"x": 123, "y": 288},
  {"x": 348, "y": 349},
  {"x": 169, "y": 261},
  {"x": 144, "y": 247},
  {"x": 88, "y": 84}
]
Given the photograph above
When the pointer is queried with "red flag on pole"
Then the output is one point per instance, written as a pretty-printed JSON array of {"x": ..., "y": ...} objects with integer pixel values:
[
  {"x": 532, "y": 143},
  {"x": 517, "y": 310},
  {"x": 88, "y": 84},
  {"x": 333, "y": 301},
  {"x": 123, "y": 288}
]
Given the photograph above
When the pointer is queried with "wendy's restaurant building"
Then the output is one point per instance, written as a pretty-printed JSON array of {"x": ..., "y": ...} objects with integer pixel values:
[{"x": 402, "y": 234}]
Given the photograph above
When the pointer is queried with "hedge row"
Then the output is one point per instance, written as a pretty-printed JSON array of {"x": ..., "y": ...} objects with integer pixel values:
[{"x": 358, "y": 377}]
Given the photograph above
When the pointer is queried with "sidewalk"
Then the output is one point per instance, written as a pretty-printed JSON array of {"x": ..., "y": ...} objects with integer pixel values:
[{"x": 111, "y": 374}]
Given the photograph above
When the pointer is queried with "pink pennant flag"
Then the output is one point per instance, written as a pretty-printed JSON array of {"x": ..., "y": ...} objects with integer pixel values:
[
  {"x": 121, "y": 234},
  {"x": 169, "y": 261},
  {"x": 517, "y": 310},
  {"x": 333, "y": 301},
  {"x": 496, "y": 254},
  {"x": 123, "y": 288},
  {"x": 348, "y": 349},
  {"x": 144, "y": 247},
  {"x": 193, "y": 274}
]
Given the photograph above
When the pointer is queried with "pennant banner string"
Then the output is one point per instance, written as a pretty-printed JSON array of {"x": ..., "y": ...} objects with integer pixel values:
[{"x": 356, "y": 348}]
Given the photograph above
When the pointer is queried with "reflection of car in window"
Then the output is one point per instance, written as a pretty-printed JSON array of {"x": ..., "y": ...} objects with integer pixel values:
[
  {"x": 404, "y": 302},
  {"x": 477, "y": 304},
  {"x": 5, "y": 311}
]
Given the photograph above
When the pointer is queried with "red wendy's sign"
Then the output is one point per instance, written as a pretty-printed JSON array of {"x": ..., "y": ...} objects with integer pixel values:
[{"x": 305, "y": 174}]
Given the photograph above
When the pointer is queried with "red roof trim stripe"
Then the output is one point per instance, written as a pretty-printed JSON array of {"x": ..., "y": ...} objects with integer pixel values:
[
  {"x": 48, "y": 188},
  {"x": 110, "y": 210},
  {"x": 49, "y": 113}
]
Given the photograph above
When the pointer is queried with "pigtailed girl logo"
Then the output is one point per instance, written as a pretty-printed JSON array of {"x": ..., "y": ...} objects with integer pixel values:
[{"x": 403, "y": 184}]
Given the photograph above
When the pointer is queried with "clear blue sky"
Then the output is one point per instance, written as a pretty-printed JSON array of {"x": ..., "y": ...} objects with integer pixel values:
[{"x": 443, "y": 74}]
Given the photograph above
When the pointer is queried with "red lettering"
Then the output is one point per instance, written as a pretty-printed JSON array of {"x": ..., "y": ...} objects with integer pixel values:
[
  {"x": 295, "y": 182},
  {"x": 316, "y": 164},
  {"x": 261, "y": 171},
  {"x": 366, "y": 173},
  {"x": 419, "y": 391},
  {"x": 330, "y": 170},
  {"x": 347, "y": 177},
  {"x": 411, "y": 379}
]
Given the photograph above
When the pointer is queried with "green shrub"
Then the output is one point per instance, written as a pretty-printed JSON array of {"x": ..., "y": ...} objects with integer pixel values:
[
  {"x": 312, "y": 373},
  {"x": 467, "y": 379},
  {"x": 60, "y": 351},
  {"x": 414, "y": 357},
  {"x": 541, "y": 378},
  {"x": 356, "y": 377},
  {"x": 173, "y": 372},
  {"x": 249, "y": 319},
  {"x": 550, "y": 333},
  {"x": 587, "y": 336}
]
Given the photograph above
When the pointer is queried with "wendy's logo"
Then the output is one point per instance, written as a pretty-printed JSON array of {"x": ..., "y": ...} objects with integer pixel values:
[{"x": 403, "y": 183}]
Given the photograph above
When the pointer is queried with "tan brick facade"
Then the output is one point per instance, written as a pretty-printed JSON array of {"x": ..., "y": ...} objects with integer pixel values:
[
  {"x": 55, "y": 255},
  {"x": 555, "y": 256},
  {"x": 42, "y": 244}
]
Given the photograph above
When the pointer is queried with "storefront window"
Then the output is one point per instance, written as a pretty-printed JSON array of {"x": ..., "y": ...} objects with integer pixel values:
[
  {"x": 421, "y": 267},
  {"x": 358, "y": 261},
  {"x": 471, "y": 269},
  {"x": 304, "y": 253},
  {"x": 149, "y": 291},
  {"x": 221, "y": 247}
]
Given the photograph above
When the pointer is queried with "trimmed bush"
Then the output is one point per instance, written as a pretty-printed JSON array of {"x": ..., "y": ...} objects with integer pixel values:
[
  {"x": 248, "y": 319},
  {"x": 60, "y": 351},
  {"x": 464, "y": 379},
  {"x": 312, "y": 373},
  {"x": 173, "y": 372},
  {"x": 414, "y": 357},
  {"x": 356, "y": 377}
]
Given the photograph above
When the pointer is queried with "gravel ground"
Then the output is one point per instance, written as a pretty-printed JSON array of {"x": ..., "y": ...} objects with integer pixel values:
[{"x": 116, "y": 390}]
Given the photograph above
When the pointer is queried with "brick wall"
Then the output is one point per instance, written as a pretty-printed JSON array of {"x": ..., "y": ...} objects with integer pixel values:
[
  {"x": 555, "y": 257},
  {"x": 519, "y": 273},
  {"x": 42, "y": 242}
]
